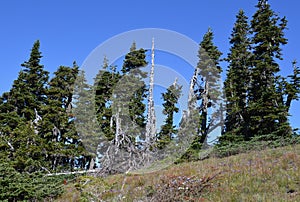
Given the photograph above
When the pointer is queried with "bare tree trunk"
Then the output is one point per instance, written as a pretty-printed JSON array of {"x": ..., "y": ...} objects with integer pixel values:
[
  {"x": 151, "y": 118},
  {"x": 192, "y": 100}
]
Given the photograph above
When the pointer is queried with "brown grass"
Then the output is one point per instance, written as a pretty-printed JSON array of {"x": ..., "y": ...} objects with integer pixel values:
[{"x": 268, "y": 175}]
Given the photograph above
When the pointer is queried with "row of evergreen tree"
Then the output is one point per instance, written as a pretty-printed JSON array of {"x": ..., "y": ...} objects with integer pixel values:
[
  {"x": 38, "y": 129},
  {"x": 258, "y": 97}
]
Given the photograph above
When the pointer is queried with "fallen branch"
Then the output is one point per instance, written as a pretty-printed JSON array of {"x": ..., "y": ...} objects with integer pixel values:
[{"x": 75, "y": 172}]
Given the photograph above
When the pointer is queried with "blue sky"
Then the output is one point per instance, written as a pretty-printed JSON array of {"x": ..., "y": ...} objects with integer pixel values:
[{"x": 70, "y": 30}]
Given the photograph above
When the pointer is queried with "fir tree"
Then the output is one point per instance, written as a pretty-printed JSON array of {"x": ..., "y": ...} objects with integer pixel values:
[
  {"x": 210, "y": 72},
  {"x": 133, "y": 92},
  {"x": 265, "y": 110},
  {"x": 57, "y": 126},
  {"x": 293, "y": 87},
  {"x": 105, "y": 82},
  {"x": 170, "y": 100},
  {"x": 237, "y": 82},
  {"x": 85, "y": 119},
  {"x": 19, "y": 110},
  {"x": 28, "y": 155},
  {"x": 29, "y": 90},
  {"x": 206, "y": 86}
]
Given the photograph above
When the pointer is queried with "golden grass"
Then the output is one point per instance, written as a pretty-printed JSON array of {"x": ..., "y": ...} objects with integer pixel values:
[{"x": 268, "y": 175}]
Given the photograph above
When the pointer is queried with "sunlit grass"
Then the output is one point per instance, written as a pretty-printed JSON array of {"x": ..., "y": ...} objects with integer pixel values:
[{"x": 267, "y": 175}]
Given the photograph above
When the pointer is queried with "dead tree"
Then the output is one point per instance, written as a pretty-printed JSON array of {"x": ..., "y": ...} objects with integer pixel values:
[{"x": 151, "y": 118}]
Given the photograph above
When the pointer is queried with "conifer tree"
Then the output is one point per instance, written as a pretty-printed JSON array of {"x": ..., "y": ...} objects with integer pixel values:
[
  {"x": 265, "y": 110},
  {"x": 85, "y": 120},
  {"x": 170, "y": 100},
  {"x": 28, "y": 155},
  {"x": 128, "y": 115},
  {"x": 293, "y": 86},
  {"x": 288, "y": 89},
  {"x": 57, "y": 126},
  {"x": 29, "y": 90},
  {"x": 207, "y": 92},
  {"x": 210, "y": 72},
  {"x": 134, "y": 91},
  {"x": 105, "y": 82},
  {"x": 237, "y": 81},
  {"x": 19, "y": 110}
]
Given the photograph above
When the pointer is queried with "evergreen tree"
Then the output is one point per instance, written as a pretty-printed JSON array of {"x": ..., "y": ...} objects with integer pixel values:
[
  {"x": 287, "y": 90},
  {"x": 133, "y": 92},
  {"x": 28, "y": 153},
  {"x": 170, "y": 100},
  {"x": 85, "y": 120},
  {"x": 268, "y": 115},
  {"x": 209, "y": 92},
  {"x": 57, "y": 126},
  {"x": 105, "y": 82},
  {"x": 134, "y": 60},
  {"x": 293, "y": 86},
  {"x": 237, "y": 81},
  {"x": 19, "y": 111},
  {"x": 29, "y": 90},
  {"x": 9, "y": 118}
]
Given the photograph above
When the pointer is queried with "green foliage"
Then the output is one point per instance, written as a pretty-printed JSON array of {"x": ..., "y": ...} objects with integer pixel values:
[
  {"x": 258, "y": 100},
  {"x": 16, "y": 186},
  {"x": 258, "y": 143},
  {"x": 236, "y": 85},
  {"x": 85, "y": 120},
  {"x": 57, "y": 126},
  {"x": 29, "y": 90},
  {"x": 37, "y": 134},
  {"x": 133, "y": 63},
  {"x": 210, "y": 71},
  {"x": 105, "y": 82},
  {"x": 207, "y": 93},
  {"x": 131, "y": 93},
  {"x": 134, "y": 59},
  {"x": 170, "y": 100},
  {"x": 267, "y": 113}
]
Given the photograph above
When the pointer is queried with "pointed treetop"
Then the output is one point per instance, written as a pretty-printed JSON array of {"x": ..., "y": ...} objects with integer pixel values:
[
  {"x": 207, "y": 48},
  {"x": 209, "y": 30},
  {"x": 35, "y": 56},
  {"x": 133, "y": 46},
  {"x": 175, "y": 82},
  {"x": 105, "y": 63},
  {"x": 75, "y": 64},
  {"x": 207, "y": 38},
  {"x": 262, "y": 2}
]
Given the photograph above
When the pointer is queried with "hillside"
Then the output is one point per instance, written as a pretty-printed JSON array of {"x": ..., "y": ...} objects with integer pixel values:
[{"x": 267, "y": 175}]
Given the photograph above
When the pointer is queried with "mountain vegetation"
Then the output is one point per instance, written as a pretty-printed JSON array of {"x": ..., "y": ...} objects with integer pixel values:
[{"x": 55, "y": 130}]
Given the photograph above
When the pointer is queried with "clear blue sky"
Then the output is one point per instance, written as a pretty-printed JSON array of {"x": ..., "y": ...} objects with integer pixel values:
[{"x": 70, "y": 30}]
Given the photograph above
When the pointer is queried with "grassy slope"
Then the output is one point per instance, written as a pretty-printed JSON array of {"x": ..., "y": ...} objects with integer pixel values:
[{"x": 268, "y": 175}]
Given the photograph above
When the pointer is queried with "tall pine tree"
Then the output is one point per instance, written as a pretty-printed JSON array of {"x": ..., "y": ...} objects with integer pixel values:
[
  {"x": 237, "y": 81},
  {"x": 57, "y": 126},
  {"x": 267, "y": 114},
  {"x": 105, "y": 82},
  {"x": 19, "y": 113},
  {"x": 170, "y": 100},
  {"x": 133, "y": 92},
  {"x": 207, "y": 91},
  {"x": 29, "y": 90}
]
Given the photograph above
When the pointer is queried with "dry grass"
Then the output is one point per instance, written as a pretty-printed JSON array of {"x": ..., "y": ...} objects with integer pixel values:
[{"x": 268, "y": 175}]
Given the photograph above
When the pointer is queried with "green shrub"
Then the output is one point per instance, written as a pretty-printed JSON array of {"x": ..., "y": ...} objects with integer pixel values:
[{"x": 15, "y": 186}]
